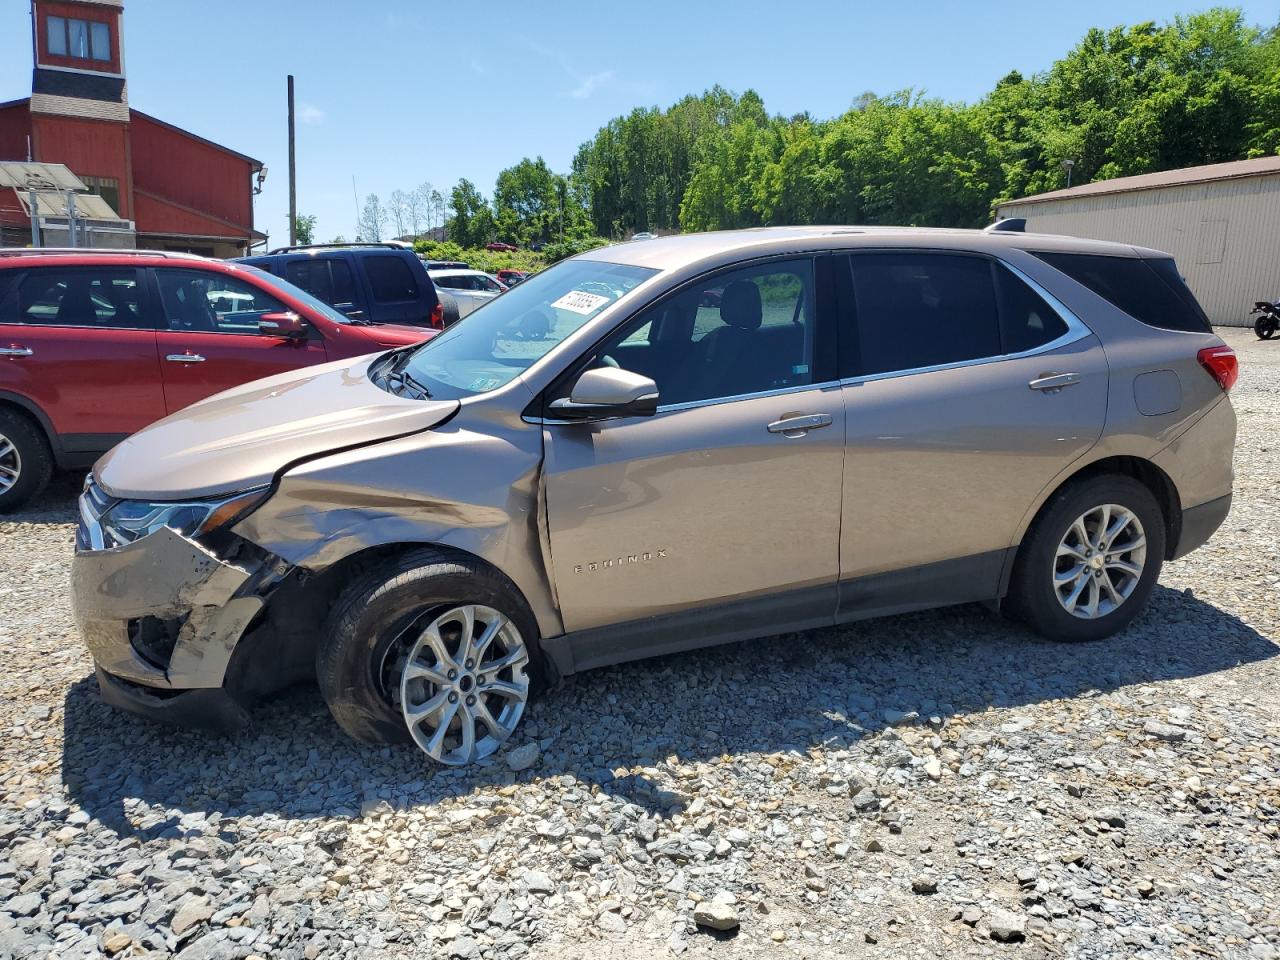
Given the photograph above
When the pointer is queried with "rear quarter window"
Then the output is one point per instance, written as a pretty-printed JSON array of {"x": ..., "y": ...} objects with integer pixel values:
[
  {"x": 391, "y": 279},
  {"x": 1150, "y": 291}
]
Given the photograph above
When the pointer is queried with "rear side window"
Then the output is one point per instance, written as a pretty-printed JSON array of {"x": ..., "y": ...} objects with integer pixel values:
[
  {"x": 1151, "y": 291},
  {"x": 391, "y": 279},
  {"x": 923, "y": 309},
  {"x": 84, "y": 297},
  {"x": 1026, "y": 320}
]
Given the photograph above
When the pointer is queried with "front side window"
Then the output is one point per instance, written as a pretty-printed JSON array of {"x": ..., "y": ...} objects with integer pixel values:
[
  {"x": 94, "y": 297},
  {"x": 206, "y": 302},
  {"x": 312, "y": 276},
  {"x": 923, "y": 309},
  {"x": 739, "y": 333},
  {"x": 391, "y": 279},
  {"x": 494, "y": 345},
  {"x": 344, "y": 290}
]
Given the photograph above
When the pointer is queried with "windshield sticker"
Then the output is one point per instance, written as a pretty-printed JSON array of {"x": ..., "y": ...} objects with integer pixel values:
[{"x": 579, "y": 301}]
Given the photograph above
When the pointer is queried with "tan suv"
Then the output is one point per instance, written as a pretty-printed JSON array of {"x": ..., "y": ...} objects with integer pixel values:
[{"x": 659, "y": 446}]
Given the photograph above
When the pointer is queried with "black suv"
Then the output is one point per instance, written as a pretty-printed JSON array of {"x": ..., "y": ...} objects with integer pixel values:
[{"x": 378, "y": 282}]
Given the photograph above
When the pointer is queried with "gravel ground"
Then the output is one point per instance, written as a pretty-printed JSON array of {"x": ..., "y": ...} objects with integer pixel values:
[{"x": 932, "y": 785}]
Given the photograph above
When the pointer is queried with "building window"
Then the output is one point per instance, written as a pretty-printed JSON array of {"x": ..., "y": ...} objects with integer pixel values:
[
  {"x": 100, "y": 40},
  {"x": 57, "y": 27},
  {"x": 82, "y": 39},
  {"x": 108, "y": 188}
]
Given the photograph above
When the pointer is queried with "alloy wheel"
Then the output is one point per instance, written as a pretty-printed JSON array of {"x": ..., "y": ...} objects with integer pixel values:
[
  {"x": 1099, "y": 561},
  {"x": 463, "y": 685},
  {"x": 10, "y": 464}
]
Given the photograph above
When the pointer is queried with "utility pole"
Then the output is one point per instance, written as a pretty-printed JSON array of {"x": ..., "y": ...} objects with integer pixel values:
[{"x": 293, "y": 175}]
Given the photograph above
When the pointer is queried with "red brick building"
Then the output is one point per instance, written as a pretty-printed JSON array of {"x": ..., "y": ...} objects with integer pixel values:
[{"x": 174, "y": 190}]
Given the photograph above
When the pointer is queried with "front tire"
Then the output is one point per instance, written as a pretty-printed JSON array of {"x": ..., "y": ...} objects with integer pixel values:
[
  {"x": 26, "y": 464},
  {"x": 1090, "y": 561},
  {"x": 433, "y": 647}
]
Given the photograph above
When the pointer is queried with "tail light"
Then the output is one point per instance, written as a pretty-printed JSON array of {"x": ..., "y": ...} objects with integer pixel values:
[
  {"x": 437, "y": 316},
  {"x": 1221, "y": 364}
]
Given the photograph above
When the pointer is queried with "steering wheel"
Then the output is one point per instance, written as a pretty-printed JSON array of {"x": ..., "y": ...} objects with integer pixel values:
[{"x": 608, "y": 361}]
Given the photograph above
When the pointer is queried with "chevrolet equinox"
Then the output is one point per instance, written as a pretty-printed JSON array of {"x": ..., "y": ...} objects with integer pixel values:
[{"x": 658, "y": 446}]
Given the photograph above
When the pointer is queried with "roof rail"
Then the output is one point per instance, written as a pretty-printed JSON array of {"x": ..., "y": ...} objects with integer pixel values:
[
  {"x": 95, "y": 252},
  {"x": 1008, "y": 225},
  {"x": 330, "y": 246}
]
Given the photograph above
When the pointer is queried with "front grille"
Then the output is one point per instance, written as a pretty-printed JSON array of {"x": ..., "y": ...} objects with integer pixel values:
[{"x": 94, "y": 502}]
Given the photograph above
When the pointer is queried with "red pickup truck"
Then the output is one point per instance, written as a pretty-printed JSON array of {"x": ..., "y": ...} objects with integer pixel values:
[{"x": 95, "y": 345}]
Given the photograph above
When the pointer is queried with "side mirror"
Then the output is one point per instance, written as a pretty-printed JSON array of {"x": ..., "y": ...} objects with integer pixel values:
[
  {"x": 608, "y": 392},
  {"x": 286, "y": 324}
]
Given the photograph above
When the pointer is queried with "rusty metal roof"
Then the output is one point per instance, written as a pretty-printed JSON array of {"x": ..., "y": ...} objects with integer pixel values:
[{"x": 1259, "y": 166}]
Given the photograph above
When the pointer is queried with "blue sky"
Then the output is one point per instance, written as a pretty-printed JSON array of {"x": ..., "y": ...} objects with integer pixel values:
[{"x": 398, "y": 92}]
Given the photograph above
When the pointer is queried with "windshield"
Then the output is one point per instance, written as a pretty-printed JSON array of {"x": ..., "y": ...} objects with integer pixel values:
[
  {"x": 284, "y": 286},
  {"x": 501, "y": 339}
]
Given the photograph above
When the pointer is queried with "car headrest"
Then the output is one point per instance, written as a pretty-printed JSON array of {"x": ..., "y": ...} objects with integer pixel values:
[{"x": 740, "y": 305}]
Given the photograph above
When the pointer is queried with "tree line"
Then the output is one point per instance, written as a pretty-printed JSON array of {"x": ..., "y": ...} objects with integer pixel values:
[{"x": 1202, "y": 88}]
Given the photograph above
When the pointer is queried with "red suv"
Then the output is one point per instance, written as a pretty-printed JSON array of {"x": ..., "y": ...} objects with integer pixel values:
[{"x": 95, "y": 345}]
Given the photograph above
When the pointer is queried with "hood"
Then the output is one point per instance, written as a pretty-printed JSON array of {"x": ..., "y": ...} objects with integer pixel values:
[
  {"x": 397, "y": 335},
  {"x": 242, "y": 437}
]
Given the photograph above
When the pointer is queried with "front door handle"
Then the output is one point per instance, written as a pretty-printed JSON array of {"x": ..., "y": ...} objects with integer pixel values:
[
  {"x": 185, "y": 358},
  {"x": 1052, "y": 382},
  {"x": 798, "y": 424},
  {"x": 16, "y": 350}
]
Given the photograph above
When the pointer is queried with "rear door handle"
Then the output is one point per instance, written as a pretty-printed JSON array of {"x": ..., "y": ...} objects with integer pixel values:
[
  {"x": 16, "y": 350},
  {"x": 185, "y": 358},
  {"x": 797, "y": 425},
  {"x": 1052, "y": 382}
]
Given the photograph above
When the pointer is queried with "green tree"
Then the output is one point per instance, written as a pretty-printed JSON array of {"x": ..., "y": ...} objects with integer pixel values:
[
  {"x": 305, "y": 228},
  {"x": 471, "y": 224}
]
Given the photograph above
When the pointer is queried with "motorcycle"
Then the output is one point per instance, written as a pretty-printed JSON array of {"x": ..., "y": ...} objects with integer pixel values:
[{"x": 1269, "y": 322}]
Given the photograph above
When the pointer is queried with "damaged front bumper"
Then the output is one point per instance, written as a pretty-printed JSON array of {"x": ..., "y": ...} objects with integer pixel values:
[{"x": 162, "y": 616}]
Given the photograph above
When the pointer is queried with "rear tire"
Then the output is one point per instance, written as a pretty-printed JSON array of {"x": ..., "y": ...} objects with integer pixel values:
[
  {"x": 373, "y": 632},
  {"x": 1073, "y": 582},
  {"x": 26, "y": 463},
  {"x": 1265, "y": 327}
]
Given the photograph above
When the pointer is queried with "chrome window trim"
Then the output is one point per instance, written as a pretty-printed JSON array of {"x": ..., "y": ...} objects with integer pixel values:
[
  {"x": 1077, "y": 330},
  {"x": 695, "y": 404}
]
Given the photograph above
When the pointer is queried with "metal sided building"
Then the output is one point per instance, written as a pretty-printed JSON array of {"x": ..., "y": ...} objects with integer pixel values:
[{"x": 1221, "y": 222}]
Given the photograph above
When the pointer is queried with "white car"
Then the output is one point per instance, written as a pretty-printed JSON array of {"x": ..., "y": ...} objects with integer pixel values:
[{"x": 468, "y": 288}]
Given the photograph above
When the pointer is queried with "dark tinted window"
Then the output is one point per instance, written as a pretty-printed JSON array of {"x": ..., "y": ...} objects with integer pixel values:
[
  {"x": 344, "y": 291},
  {"x": 1026, "y": 320},
  {"x": 86, "y": 297},
  {"x": 391, "y": 279},
  {"x": 312, "y": 276},
  {"x": 923, "y": 309},
  {"x": 1148, "y": 290},
  {"x": 740, "y": 333},
  {"x": 209, "y": 302}
]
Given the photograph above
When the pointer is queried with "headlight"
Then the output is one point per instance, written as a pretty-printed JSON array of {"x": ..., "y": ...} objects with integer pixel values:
[{"x": 128, "y": 520}]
